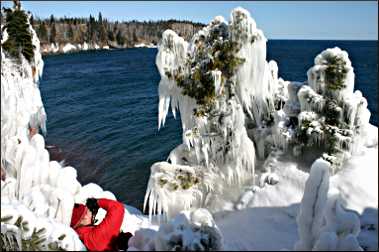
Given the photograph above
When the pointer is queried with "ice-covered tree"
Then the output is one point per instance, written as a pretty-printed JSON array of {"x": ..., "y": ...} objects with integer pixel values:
[
  {"x": 332, "y": 115},
  {"x": 211, "y": 80},
  {"x": 19, "y": 39},
  {"x": 323, "y": 117}
]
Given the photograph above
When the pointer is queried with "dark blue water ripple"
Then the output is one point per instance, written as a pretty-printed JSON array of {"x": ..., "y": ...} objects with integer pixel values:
[{"x": 102, "y": 108}]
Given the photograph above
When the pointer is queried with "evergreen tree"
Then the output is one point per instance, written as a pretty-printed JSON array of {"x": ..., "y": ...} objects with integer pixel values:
[
  {"x": 110, "y": 36},
  {"x": 42, "y": 32},
  {"x": 52, "y": 19},
  {"x": 103, "y": 35},
  {"x": 119, "y": 38},
  {"x": 70, "y": 33},
  {"x": 53, "y": 34},
  {"x": 100, "y": 18},
  {"x": 92, "y": 30},
  {"x": 31, "y": 20},
  {"x": 135, "y": 38},
  {"x": 19, "y": 38},
  {"x": 101, "y": 30}
]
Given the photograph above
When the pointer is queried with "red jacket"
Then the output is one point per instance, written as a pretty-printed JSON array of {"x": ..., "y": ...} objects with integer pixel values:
[{"x": 102, "y": 237}]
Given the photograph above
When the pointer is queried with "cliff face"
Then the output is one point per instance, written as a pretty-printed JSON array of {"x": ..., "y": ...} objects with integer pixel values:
[{"x": 100, "y": 33}]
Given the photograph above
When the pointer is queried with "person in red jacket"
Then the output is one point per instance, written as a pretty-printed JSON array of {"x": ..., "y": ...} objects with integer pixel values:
[{"x": 101, "y": 237}]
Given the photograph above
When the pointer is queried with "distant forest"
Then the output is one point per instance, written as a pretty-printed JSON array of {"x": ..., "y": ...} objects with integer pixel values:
[{"x": 104, "y": 32}]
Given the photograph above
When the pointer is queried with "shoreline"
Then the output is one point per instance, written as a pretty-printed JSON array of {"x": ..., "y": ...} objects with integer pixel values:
[{"x": 63, "y": 48}]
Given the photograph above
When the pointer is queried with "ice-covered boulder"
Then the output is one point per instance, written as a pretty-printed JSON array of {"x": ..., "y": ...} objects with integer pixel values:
[{"x": 188, "y": 231}]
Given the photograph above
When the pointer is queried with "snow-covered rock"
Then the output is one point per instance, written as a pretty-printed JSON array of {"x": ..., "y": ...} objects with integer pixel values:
[
  {"x": 139, "y": 45},
  {"x": 68, "y": 47}
]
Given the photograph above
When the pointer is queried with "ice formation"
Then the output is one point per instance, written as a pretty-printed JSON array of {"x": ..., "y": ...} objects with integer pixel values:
[
  {"x": 188, "y": 231},
  {"x": 35, "y": 190},
  {"x": 240, "y": 122},
  {"x": 329, "y": 113},
  {"x": 310, "y": 218},
  {"x": 211, "y": 80},
  {"x": 323, "y": 223},
  {"x": 37, "y": 195}
]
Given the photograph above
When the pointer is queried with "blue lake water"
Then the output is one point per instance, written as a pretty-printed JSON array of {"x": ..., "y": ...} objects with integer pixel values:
[{"x": 102, "y": 107}]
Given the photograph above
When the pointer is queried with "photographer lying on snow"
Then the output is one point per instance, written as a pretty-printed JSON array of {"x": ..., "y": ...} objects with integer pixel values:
[{"x": 106, "y": 235}]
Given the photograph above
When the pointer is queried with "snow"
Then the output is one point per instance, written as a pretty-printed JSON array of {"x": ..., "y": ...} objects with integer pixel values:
[
  {"x": 139, "y": 45},
  {"x": 143, "y": 45},
  {"x": 85, "y": 46},
  {"x": 189, "y": 231},
  {"x": 258, "y": 228},
  {"x": 68, "y": 47},
  {"x": 271, "y": 211},
  {"x": 54, "y": 47}
]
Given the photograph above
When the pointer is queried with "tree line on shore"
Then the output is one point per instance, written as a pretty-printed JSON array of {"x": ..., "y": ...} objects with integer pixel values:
[{"x": 103, "y": 32}]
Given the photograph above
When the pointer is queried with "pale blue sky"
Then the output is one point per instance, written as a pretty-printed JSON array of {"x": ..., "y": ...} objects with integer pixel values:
[{"x": 278, "y": 20}]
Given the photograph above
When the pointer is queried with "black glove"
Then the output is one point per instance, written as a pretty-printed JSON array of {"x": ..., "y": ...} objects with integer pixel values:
[
  {"x": 92, "y": 205},
  {"x": 122, "y": 241}
]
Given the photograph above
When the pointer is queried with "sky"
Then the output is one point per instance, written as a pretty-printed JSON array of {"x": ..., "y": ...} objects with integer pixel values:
[{"x": 338, "y": 20}]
